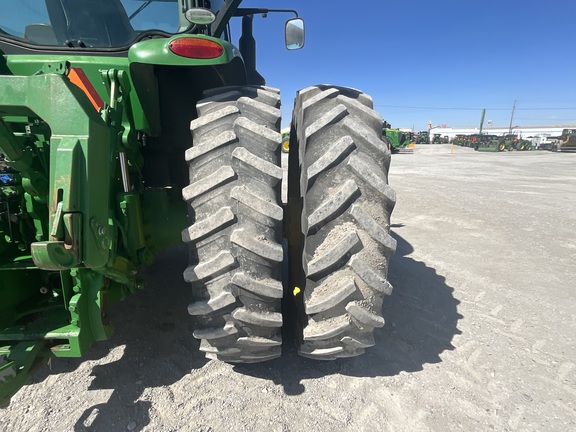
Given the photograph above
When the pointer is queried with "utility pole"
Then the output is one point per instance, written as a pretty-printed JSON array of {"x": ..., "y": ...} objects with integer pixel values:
[{"x": 512, "y": 118}]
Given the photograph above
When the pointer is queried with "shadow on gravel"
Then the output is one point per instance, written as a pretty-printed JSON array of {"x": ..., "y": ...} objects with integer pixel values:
[
  {"x": 421, "y": 320},
  {"x": 159, "y": 349}
]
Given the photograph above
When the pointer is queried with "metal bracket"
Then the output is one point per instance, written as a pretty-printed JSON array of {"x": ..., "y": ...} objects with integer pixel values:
[
  {"x": 60, "y": 68},
  {"x": 121, "y": 134}
]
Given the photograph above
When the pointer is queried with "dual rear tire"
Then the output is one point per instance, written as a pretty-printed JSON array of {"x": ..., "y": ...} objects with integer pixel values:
[{"x": 337, "y": 226}]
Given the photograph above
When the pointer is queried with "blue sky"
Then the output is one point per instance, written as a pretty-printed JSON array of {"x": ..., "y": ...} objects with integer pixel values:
[{"x": 438, "y": 60}]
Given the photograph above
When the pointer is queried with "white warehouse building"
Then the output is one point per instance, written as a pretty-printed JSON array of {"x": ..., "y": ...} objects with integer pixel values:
[{"x": 525, "y": 132}]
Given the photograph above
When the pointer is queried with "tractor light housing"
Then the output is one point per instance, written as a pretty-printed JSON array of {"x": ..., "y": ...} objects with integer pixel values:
[{"x": 197, "y": 48}]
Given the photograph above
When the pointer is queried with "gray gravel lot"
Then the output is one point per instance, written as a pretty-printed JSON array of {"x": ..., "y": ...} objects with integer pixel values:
[{"x": 480, "y": 331}]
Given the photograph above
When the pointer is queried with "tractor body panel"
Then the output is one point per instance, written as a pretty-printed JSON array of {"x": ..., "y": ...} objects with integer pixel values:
[{"x": 92, "y": 140}]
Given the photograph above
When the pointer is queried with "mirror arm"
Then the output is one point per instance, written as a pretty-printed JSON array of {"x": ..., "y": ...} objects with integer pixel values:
[{"x": 258, "y": 11}]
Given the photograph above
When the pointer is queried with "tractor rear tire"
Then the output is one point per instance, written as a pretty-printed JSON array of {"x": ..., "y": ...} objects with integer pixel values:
[
  {"x": 236, "y": 224},
  {"x": 345, "y": 220}
]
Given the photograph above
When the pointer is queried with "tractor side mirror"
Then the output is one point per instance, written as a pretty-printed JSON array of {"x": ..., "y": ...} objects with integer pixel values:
[{"x": 294, "y": 33}]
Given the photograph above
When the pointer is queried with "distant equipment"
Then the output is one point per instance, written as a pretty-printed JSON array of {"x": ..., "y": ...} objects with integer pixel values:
[
  {"x": 565, "y": 142},
  {"x": 399, "y": 141}
]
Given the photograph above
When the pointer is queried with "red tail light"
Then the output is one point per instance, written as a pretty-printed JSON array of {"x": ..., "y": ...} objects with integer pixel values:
[{"x": 196, "y": 48}]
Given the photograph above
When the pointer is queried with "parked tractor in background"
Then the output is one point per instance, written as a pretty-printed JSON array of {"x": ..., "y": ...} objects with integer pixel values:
[
  {"x": 472, "y": 141},
  {"x": 439, "y": 139},
  {"x": 524, "y": 145},
  {"x": 285, "y": 139},
  {"x": 459, "y": 140},
  {"x": 512, "y": 142},
  {"x": 423, "y": 137},
  {"x": 111, "y": 112},
  {"x": 486, "y": 143},
  {"x": 400, "y": 141},
  {"x": 493, "y": 143}
]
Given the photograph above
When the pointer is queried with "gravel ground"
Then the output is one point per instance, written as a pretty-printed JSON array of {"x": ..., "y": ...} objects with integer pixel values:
[{"x": 479, "y": 333}]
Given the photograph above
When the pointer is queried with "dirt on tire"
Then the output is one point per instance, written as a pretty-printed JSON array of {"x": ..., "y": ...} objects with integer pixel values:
[
  {"x": 345, "y": 220},
  {"x": 236, "y": 231}
]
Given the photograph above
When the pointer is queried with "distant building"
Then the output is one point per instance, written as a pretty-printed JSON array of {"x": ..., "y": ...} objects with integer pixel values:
[{"x": 521, "y": 131}]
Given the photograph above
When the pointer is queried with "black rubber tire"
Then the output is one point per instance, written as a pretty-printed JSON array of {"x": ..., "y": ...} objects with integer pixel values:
[
  {"x": 345, "y": 220},
  {"x": 236, "y": 231}
]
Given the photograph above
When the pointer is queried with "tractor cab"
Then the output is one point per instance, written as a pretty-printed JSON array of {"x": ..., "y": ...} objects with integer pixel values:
[{"x": 114, "y": 25}]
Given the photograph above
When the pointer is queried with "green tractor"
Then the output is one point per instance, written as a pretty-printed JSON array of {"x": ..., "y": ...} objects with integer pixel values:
[
  {"x": 128, "y": 126},
  {"x": 439, "y": 139},
  {"x": 459, "y": 140},
  {"x": 523, "y": 145},
  {"x": 423, "y": 137},
  {"x": 400, "y": 142},
  {"x": 486, "y": 143},
  {"x": 511, "y": 142}
]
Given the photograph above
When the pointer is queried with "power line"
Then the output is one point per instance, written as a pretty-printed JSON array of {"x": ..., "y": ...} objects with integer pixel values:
[
  {"x": 545, "y": 119},
  {"x": 429, "y": 108},
  {"x": 472, "y": 109},
  {"x": 543, "y": 109}
]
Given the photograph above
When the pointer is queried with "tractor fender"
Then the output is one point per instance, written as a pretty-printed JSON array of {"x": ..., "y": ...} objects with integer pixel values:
[{"x": 157, "y": 52}]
